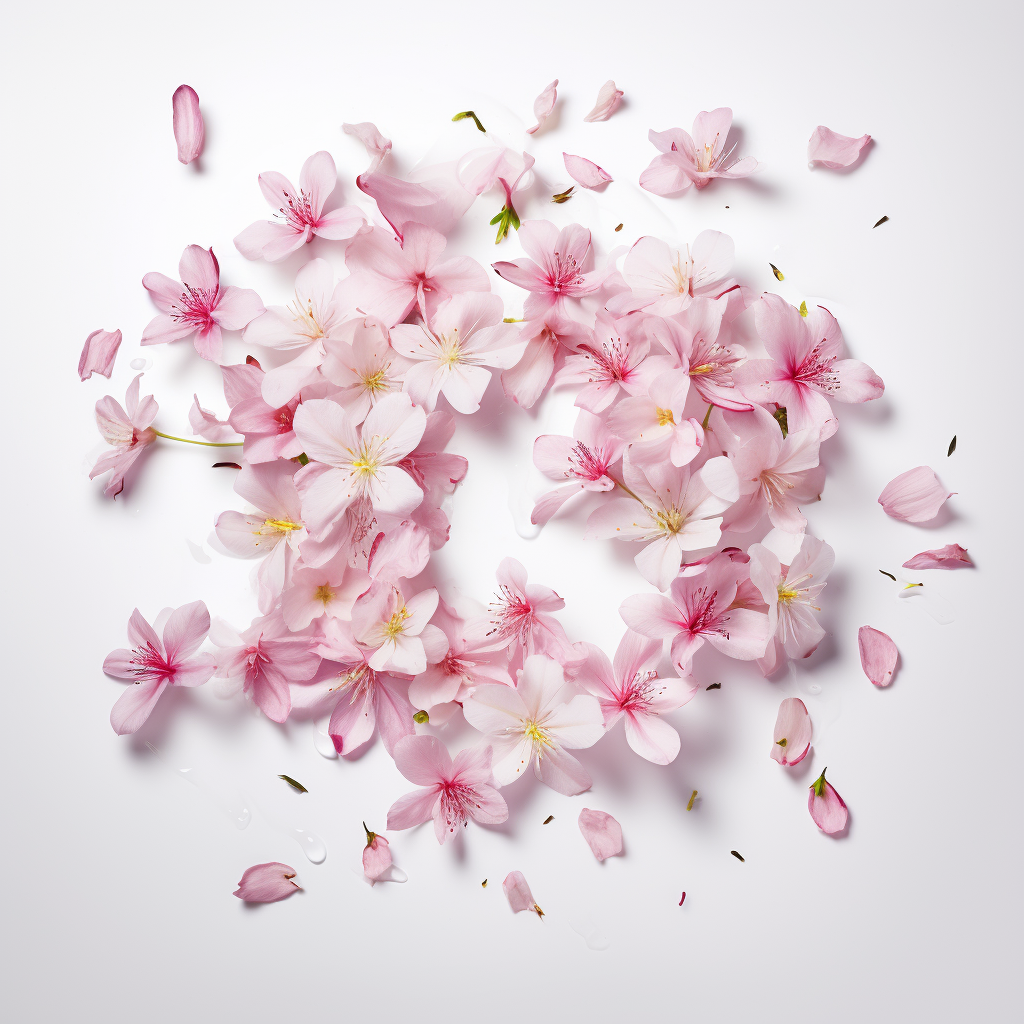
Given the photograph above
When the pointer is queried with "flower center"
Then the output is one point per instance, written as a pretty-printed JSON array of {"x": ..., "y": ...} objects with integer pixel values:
[
  {"x": 665, "y": 416},
  {"x": 377, "y": 381},
  {"x": 671, "y": 520},
  {"x": 450, "y": 349},
  {"x": 537, "y": 736},
  {"x": 395, "y": 626},
  {"x": 324, "y": 593}
]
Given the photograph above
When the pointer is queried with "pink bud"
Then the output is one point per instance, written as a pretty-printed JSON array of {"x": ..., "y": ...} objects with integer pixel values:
[
  {"x": 267, "y": 883},
  {"x": 585, "y": 172},
  {"x": 878, "y": 655},
  {"x": 98, "y": 354},
  {"x": 952, "y": 556},
  {"x": 518, "y": 892},
  {"x": 827, "y": 807},
  {"x": 189, "y": 131},
  {"x": 608, "y": 100},
  {"x": 792, "y": 732},
  {"x": 376, "y": 855},
  {"x": 602, "y": 833},
  {"x": 830, "y": 149},
  {"x": 915, "y": 496}
]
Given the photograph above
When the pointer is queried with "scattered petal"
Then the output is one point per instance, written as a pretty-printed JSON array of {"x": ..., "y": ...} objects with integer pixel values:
[
  {"x": 608, "y": 100},
  {"x": 827, "y": 807},
  {"x": 830, "y": 149},
  {"x": 377, "y": 145},
  {"x": 543, "y": 105},
  {"x": 189, "y": 130},
  {"x": 792, "y": 732},
  {"x": 376, "y": 855},
  {"x": 98, "y": 354},
  {"x": 915, "y": 496},
  {"x": 585, "y": 172},
  {"x": 518, "y": 893},
  {"x": 952, "y": 556},
  {"x": 602, "y": 833},
  {"x": 878, "y": 655},
  {"x": 266, "y": 883}
]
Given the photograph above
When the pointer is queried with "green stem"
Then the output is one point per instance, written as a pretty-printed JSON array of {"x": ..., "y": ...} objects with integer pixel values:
[
  {"x": 619, "y": 483},
  {"x": 707, "y": 417},
  {"x": 208, "y": 444}
]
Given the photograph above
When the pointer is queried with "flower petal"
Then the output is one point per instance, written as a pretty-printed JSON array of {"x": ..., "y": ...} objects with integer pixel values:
[
  {"x": 878, "y": 655},
  {"x": 915, "y": 496},
  {"x": 585, "y": 172},
  {"x": 602, "y": 833},
  {"x": 189, "y": 131},
  {"x": 952, "y": 556},
  {"x": 266, "y": 883},
  {"x": 792, "y": 737},
  {"x": 830, "y": 149},
  {"x": 608, "y": 100}
]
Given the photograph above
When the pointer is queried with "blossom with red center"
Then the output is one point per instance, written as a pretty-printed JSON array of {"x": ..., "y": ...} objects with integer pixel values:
[{"x": 128, "y": 432}]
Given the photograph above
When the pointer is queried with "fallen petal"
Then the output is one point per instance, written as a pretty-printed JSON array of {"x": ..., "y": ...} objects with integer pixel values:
[
  {"x": 830, "y": 149},
  {"x": 98, "y": 354},
  {"x": 792, "y": 732},
  {"x": 827, "y": 807},
  {"x": 608, "y": 100},
  {"x": 585, "y": 172},
  {"x": 602, "y": 833},
  {"x": 543, "y": 105},
  {"x": 915, "y": 496},
  {"x": 377, "y": 146},
  {"x": 376, "y": 855},
  {"x": 518, "y": 893},
  {"x": 189, "y": 130},
  {"x": 267, "y": 883},
  {"x": 878, "y": 655},
  {"x": 952, "y": 556}
]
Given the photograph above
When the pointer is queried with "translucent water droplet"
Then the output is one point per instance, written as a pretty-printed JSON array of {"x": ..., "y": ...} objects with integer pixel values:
[
  {"x": 312, "y": 845},
  {"x": 394, "y": 874},
  {"x": 592, "y": 934},
  {"x": 141, "y": 364},
  {"x": 813, "y": 688},
  {"x": 322, "y": 742}
]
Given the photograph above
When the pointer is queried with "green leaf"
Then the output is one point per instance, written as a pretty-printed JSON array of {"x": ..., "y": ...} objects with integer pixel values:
[{"x": 295, "y": 785}]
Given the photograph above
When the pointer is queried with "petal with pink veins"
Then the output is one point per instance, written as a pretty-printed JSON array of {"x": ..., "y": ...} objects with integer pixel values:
[
  {"x": 543, "y": 105},
  {"x": 952, "y": 556},
  {"x": 602, "y": 833},
  {"x": 585, "y": 172},
  {"x": 187, "y": 120},
  {"x": 915, "y": 496},
  {"x": 608, "y": 100},
  {"x": 830, "y": 149},
  {"x": 878, "y": 655},
  {"x": 518, "y": 892},
  {"x": 827, "y": 807},
  {"x": 266, "y": 883}
]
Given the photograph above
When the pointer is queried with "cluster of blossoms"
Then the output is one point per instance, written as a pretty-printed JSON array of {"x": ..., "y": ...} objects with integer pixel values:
[{"x": 681, "y": 433}]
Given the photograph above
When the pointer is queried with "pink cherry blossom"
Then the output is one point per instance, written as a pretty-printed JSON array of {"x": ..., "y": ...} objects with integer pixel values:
[
  {"x": 537, "y": 722},
  {"x": 608, "y": 100},
  {"x": 631, "y": 689},
  {"x": 584, "y": 459},
  {"x": 517, "y": 891},
  {"x": 315, "y": 591},
  {"x": 394, "y": 630},
  {"x": 655, "y": 423},
  {"x": 187, "y": 120},
  {"x": 452, "y": 790},
  {"x": 827, "y": 807},
  {"x": 197, "y": 305},
  {"x": 98, "y": 354},
  {"x": 687, "y": 160},
  {"x": 878, "y": 655},
  {"x": 952, "y": 556},
  {"x": 792, "y": 737},
  {"x": 701, "y": 608},
  {"x": 362, "y": 363},
  {"x": 483, "y": 169},
  {"x": 585, "y": 172},
  {"x": 377, "y": 145},
  {"x": 465, "y": 335},
  {"x": 436, "y": 199},
  {"x": 267, "y": 429},
  {"x": 602, "y": 833},
  {"x": 154, "y": 663},
  {"x": 914, "y": 496},
  {"x": 549, "y": 339},
  {"x": 804, "y": 372},
  {"x": 830, "y": 149},
  {"x": 376, "y": 855},
  {"x": 300, "y": 212},
  {"x": 267, "y": 883},
  {"x": 128, "y": 432},
  {"x": 207, "y": 424},
  {"x": 672, "y": 510},
  {"x": 543, "y": 105}
]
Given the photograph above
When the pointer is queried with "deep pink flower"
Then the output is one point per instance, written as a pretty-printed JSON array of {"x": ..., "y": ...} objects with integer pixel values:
[
  {"x": 300, "y": 212},
  {"x": 153, "y": 663},
  {"x": 878, "y": 655},
  {"x": 267, "y": 883},
  {"x": 98, "y": 354},
  {"x": 608, "y": 100},
  {"x": 827, "y": 807},
  {"x": 187, "y": 120},
  {"x": 915, "y": 496},
  {"x": 830, "y": 149},
  {"x": 197, "y": 304},
  {"x": 543, "y": 105},
  {"x": 129, "y": 433},
  {"x": 452, "y": 790},
  {"x": 952, "y": 556},
  {"x": 602, "y": 833},
  {"x": 792, "y": 737}
]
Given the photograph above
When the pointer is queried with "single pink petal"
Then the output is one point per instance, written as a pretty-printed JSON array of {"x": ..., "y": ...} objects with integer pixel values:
[
  {"x": 878, "y": 655},
  {"x": 266, "y": 883},
  {"x": 608, "y": 100},
  {"x": 830, "y": 149},
  {"x": 543, "y": 105},
  {"x": 205, "y": 423},
  {"x": 518, "y": 892},
  {"x": 952, "y": 556},
  {"x": 376, "y": 855},
  {"x": 585, "y": 172},
  {"x": 915, "y": 496},
  {"x": 98, "y": 354},
  {"x": 135, "y": 705},
  {"x": 377, "y": 146},
  {"x": 602, "y": 833},
  {"x": 792, "y": 737},
  {"x": 827, "y": 807},
  {"x": 189, "y": 131}
]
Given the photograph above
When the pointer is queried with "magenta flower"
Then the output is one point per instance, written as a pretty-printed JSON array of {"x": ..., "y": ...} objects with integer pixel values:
[
  {"x": 878, "y": 655},
  {"x": 98, "y": 354},
  {"x": 267, "y": 883},
  {"x": 197, "y": 305},
  {"x": 792, "y": 737},
  {"x": 187, "y": 120},
  {"x": 915, "y": 496},
  {"x": 827, "y": 807},
  {"x": 153, "y": 663},
  {"x": 129, "y": 433},
  {"x": 300, "y": 212},
  {"x": 602, "y": 833},
  {"x": 452, "y": 790},
  {"x": 694, "y": 160}
]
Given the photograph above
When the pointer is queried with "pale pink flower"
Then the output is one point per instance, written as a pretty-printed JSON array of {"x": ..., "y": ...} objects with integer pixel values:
[
  {"x": 207, "y": 424},
  {"x": 701, "y": 608},
  {"x": 952, "y": 556},
  {"x": 377, "y": 146},
  {"x": 393, "y": 631},
  {"x": 267, "y": 429},
  {"x": 465, "y": 335},
  {"x": 602, "y": 833},
  {"x": 362, "y": 363},
  {"x": 585, "y": 172},
  {"x": 583, "y": 459},
  {"x": 543, "y": 105},
  {"x": 390, "y": 278},
  {"x": 536, "y": 722},
  {"x": 804, "y": 372},
  {"x": 452, "y": 790},
  {"x": 608, "y": 100},
  {"x": 267, "y": 883},
  {"x": 187, "y": 120},
  {"x": 549, "y": 339},
  {"x": 324, "y": 590},
  {"x": 129, "y": 433},
  {"x": 830, "y": 149},
  {"x": 655, "y": 423},
  {"x": 687, "y": 160},
  {"x": 792, "y": 737},
  {"x": 517, "y": 891},
  {"x": 915, "y": 496},
  {"x": 98, "y": 354},
  {"x": 197, "y": 305},
  {"x": 400, "y": 553},
  {"x": 553, "y": 272},
  {"x": 350, "y": 461},
  {"x": 631, "y": 689},
  {"x": 376, "y": 855},
  {"x": 674, "y": 511},
  {"x": 482, "y": 169},
  {"x": 878, "y": 655},
  {"x": 300, "y": 212},
  {"x": 435, "y": 200},
  {"x": 827, "y": 807},
  {"x": 153, "y": 663}
]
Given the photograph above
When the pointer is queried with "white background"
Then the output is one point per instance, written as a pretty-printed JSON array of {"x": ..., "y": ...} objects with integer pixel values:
[{"x": 118, "y": 875}]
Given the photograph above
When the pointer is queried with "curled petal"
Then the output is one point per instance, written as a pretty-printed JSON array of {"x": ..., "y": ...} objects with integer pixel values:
[
  {"x": 98, "y": 354},
  {"x": 878, "y": 655},
  {"x": 266, "y": 883},
  {"x": 608, "y": 100},
  {"x": 585, "y": 172},
  {"x": 377, "y": 145},
  {"x": 830, "y": 149},
  {"x": 543, "y": 105},
  {"x": 602, "y": 833},
  {"x": 827, "y": 807},
  {"x": 189, "y": 131},
  {"x": 915, "y": 496},
  {"x": 952, "y": 556},
  {"x": 518, "y": 892},
  {"x": 792, "y": 737}
]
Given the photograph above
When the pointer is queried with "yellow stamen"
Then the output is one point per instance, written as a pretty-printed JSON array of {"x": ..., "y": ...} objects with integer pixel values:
[
  {"x": 279, "y": 526},
  {"x": 377, "y": 381},
  {"x": 536, "y": 735},
  {"x": 451, "y": 349},
  {"x": 698, "y": 371},
  {"x": 395, "y": 626},
  {"x": 324, "y": 593},
  {"x": 665, "y": 416}
]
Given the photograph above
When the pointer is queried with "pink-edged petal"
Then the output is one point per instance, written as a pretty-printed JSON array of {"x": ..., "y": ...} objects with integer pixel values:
[
  {"x": 189, "y": 130},
  {"x": 608, "y": 100},
  {"x": 585, "y": 172},
  {"x": 135, "y": 705},
  {"x": 915, "y": 496},
  {"x": 602, "y": 833},
  {"x": 830, "y": 149},
  {"x": 517, "y": 890},
  {"x": 827, "y": 807},
  {"x": 792, "y": 737},
  {"x": 952, "y": 556},
  {"x": 878, "y": 655},
  {"x": 562, "y": 772},
  {"x": 267, "y": 883}
]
